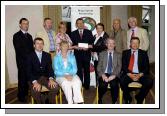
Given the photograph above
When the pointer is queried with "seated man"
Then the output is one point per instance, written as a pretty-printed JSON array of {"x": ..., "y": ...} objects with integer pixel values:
[
  {"x": 65, "y": 69},
  {"x": 40, "y": 72},
  {"x": 135, "y": 67},
  {"x": 108, "y": 69}
]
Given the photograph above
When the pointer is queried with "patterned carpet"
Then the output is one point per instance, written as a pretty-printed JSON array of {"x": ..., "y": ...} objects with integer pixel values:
[{"x": 89, "y": 95}]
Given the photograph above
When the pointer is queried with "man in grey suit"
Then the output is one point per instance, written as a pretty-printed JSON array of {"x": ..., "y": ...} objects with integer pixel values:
[{"x": 108, "y": 70}]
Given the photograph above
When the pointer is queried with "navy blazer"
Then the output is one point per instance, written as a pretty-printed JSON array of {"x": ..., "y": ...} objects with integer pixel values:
[
  {"x": 86, "y": 38},
  {"x": 143, "y": 61},
  {"x": 35, "y": 69}
]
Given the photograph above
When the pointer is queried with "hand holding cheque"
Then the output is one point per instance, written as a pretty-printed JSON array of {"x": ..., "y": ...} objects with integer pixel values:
[{"x": 83, "y": 46}]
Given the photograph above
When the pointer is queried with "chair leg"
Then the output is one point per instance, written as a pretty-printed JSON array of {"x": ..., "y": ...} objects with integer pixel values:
[
  {"x": 144, "y": 101},
  {"x": 56, "y": 98},
  {"x": 32, "y": 100},
  {"x": 97, "y": 95},
  {"x": 60, "y": 92},
  {"x": 120, "y": 96}
]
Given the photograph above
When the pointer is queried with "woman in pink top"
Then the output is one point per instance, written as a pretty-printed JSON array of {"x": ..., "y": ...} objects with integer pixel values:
[{"x": 61, "y": 35}]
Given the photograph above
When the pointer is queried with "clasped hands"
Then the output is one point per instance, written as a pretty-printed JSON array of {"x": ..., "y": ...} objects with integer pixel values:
[
  {"x": 108, "y": 79},
  {"x": 135, "y": 77}
]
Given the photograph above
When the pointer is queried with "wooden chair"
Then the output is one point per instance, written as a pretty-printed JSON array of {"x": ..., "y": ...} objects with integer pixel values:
[
  {"x": 133, "y": 85},
  {"x": 44, "y": 90}
]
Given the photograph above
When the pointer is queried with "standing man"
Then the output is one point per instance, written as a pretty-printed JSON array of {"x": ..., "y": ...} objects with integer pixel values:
[
  {"x": 40, "y": 73},
  {"x": 82, "y": 41},
  {"x": 136, "y": 31},
  {"x": 135, "y": 67},
  {"x": 48, "y": 35},
  {"x": 108, "y": 69},
  {"x": 120, "y": 36},
  {"x": 23, "y": 44}
]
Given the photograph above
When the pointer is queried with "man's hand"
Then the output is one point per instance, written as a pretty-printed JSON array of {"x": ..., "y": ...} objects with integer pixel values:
[
  {"x": 132, "y": 76},
  {"x": 68, "y": 77},
  {"x": 112, "y": 77},
  {"x": 85, "y": 49},
  {"x": 52, "y": 83},
  {"x": 90, "y": 46},
  {"x": 105, "y": 78},
  {"x": 37, "y": 86}
]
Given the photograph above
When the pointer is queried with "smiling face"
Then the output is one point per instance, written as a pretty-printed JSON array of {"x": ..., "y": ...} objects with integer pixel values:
[
  {"x": 48, "y": 24},
  {"x": 38, "y": 45},
  {"x": 132, "y": 22},
  {"x": 24, "y": 25},
  {"x": 134, "y": 44},
  {"x": 116, "y": 24},
  {"x": 62, "y": 28},
  {"x": 110, "y": 44},
  {"x": 80, "y": 24},
  {"x": 99, "y": 29}
]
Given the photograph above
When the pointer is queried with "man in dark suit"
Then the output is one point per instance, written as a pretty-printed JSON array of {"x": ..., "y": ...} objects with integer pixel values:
[
  {"x": 40, "y": 72},
  {"x": 23, "y": 45},
  {"x": 135, "y": 67},
  {"x": 108, "y": 68},
  {"x": 82, "y": 53}
]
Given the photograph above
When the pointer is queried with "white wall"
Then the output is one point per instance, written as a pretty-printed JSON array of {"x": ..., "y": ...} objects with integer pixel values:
[
  {"x": 13, "y": 13},
  {"x": 120, "y": 11}
]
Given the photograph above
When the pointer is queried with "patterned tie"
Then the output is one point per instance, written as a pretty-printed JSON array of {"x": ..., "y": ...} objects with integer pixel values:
[
  {"x": 131, "y": 63},
  {"x": 133, "y": 33},
  {"x": 80, "y": 33},
  {"x": 109, "y": 70}
]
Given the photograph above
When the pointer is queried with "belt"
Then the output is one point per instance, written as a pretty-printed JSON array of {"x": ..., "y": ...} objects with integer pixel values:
[{"x": 51, "y": 51}]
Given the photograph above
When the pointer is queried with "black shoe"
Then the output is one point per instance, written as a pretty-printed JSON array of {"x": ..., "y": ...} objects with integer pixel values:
[
  {"x": 128, "y": 101},
  {"x": 22, "y": 100},
  {"x": 86, "y": 87},
  {"x": 100, "y": 101}
]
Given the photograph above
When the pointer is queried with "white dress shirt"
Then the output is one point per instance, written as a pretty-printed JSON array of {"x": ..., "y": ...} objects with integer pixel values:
[{"x": 135, "y": 66}]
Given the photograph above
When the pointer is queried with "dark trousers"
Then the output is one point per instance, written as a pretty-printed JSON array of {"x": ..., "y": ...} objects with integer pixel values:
[
  {"x": 146, "y": 86},
  {"x": 22, "y": 85},
  {"x": 95, "y": 66},
  {"x": 113, "y": 88},
  {"x": 39, "y": 97},
  {"x": 84, "y": 72}
]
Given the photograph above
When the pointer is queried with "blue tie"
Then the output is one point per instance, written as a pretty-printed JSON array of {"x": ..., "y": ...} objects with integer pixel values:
[{"x": 109, "y": 70}]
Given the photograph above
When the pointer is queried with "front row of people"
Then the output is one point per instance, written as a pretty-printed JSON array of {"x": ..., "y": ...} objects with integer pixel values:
[{"x": 111, "y": 69}]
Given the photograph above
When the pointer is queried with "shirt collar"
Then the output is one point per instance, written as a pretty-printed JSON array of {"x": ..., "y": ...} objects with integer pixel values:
[
  {"x": 134, "y": 50},
  {"x": 101, "y": 35},
  {"x": 134, "y": 28},
  {"x": 23, "y": 31},
  {"x": 110, "y": 52},
  {"x": 37, "y": 52}
]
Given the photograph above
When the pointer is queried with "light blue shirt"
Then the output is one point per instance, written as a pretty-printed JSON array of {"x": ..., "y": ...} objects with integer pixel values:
[
  {"x": 60, "y": 70},
  {"x": 39, "y": 54},
  {"x": 135, "y": 66}
]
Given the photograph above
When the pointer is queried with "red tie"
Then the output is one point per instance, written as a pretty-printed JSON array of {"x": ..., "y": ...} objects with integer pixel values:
[
  {"x": 133, "y": 33},
  {"x": 80, "y": 33},
  {"x": 131, "y": 63}
]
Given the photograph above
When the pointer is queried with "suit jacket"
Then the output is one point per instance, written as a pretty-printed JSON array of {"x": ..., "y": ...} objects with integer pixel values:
[
  {"x": 102, "y": 64},
  {"x": 142, "y": 35},
  {"x": 44, "y": 35},
  {"x": 23, "y": 45},
  {"x": 86, "y": 38},
  {"x": 59, "y": 68},
  {"x": 35, "y": 69},
  {"x": 143, "y": 61},
  {"x": 120, "y": 40},
  {"x": 100, "y": 45}
]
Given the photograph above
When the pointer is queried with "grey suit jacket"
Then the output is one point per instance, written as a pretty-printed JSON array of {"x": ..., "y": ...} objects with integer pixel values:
[{"x": 102, "y": 63}]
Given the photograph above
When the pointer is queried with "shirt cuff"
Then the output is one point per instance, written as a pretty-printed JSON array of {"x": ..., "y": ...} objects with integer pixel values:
[
  {"x": 51, "y": 78},
  {"x": 34, "y": 81}
]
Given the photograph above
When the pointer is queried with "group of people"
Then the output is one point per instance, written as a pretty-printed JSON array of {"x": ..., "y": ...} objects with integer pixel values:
[{"x": 57, "y": 60}]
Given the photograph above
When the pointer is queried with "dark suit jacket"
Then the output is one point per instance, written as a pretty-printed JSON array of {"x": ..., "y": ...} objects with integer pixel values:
[
  {"x": 102, "y": 64},
  {"x": 86, "y": 38},
  {"x": 143, "y": 61},
  {"x": 100, "y": 45},
  {"x": 35, "y": 69},
  {"x": 23, "y": 46}
]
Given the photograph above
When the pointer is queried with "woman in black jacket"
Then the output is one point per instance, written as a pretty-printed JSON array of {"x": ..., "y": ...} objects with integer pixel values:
[{"x": 99, "y": 44}]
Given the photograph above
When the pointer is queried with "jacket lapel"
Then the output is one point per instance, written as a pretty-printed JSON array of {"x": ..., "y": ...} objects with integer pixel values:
[{"x": 105, "y": 61}]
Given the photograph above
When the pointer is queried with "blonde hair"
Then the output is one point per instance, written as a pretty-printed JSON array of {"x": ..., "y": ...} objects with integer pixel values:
[
  {"x": 64, "y": 43},
  {"x": 61, "y": 23}
]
